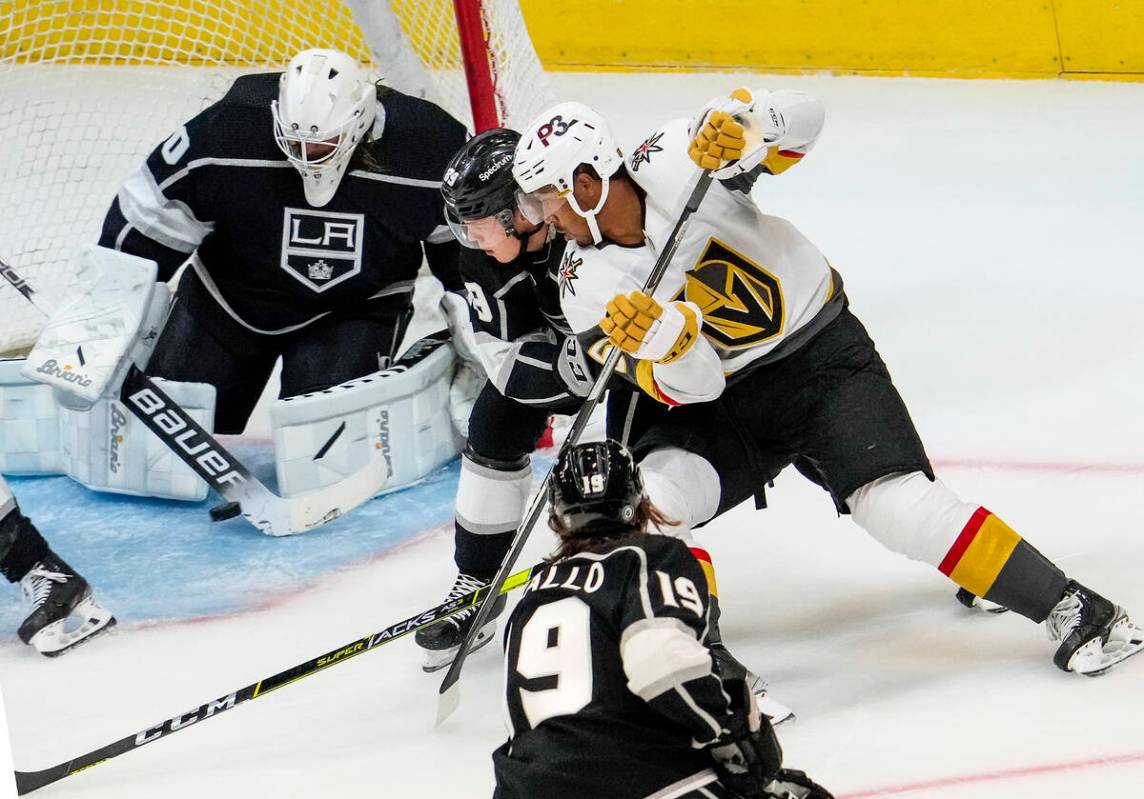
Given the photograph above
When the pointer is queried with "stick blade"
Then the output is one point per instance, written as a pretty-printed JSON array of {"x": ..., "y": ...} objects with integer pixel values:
[
  {"x": 28, "y": 781},
  {"x": 448, "y": 700}
]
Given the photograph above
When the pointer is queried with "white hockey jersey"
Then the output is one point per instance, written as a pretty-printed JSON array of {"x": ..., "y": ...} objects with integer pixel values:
[{"x": 762, "y": 287}]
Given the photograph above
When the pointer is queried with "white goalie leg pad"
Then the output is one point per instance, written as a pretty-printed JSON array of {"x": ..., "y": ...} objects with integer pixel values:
[
  {"x": 401, "y": 414},
  {"x": 107, "y": 449},
  {"x": 684, "y": 486},
  {"x": 909, "y": 514},
  {"x": 84, "y": 347},
  {"x": 29, "y": 423},
  {"x": 491, "y": 501}
]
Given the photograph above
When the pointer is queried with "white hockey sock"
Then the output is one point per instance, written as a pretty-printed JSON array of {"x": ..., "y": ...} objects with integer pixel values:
[{"x": 683, "y": 486}]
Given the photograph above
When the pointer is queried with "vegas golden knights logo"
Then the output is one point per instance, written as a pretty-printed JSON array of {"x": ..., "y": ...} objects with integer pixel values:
[{"x": 742, "y": 303}]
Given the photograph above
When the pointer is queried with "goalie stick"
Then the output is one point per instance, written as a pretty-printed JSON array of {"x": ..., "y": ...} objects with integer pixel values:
[
  {"x": 245, "y": 493},
  {"x": 28, "y": 781},
  {"x": 449, "y": 695},
  {"x": 269, "y": 512}
]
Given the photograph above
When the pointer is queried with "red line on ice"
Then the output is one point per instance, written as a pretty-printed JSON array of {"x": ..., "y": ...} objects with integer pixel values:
[
  {"x": 997, "y": 776},
  {"x": 1063, "y": 467}
]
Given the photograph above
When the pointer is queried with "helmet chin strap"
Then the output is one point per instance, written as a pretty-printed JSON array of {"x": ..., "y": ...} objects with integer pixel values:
[{"x": 590, "y": 216}]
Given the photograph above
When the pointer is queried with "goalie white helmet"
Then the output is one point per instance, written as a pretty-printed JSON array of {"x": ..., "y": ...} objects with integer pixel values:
[
  {"x": 326, "y": 106},
  {"x": 553, "y": 147}
]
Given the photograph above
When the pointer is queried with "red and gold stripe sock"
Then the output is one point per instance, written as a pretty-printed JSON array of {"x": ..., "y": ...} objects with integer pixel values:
[{"x": 990, "y": 559}]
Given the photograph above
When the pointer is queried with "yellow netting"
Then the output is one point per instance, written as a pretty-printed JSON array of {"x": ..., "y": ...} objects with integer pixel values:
[{"x": 246, "y": 33}]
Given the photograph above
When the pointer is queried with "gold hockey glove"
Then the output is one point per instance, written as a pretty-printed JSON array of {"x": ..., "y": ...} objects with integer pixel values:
[
  {"x": 640, "y": 326},
  {"x": 721, "y": 138}
]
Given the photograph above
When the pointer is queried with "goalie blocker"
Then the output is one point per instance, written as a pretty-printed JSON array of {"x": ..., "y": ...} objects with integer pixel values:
[{"x": 62, "y": 409}]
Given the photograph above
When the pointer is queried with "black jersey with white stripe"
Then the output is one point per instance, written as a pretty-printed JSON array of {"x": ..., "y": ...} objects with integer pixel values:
[
  {"x": 219, "y": 188},
  {"x": 518, "y": 322},
  {"x": 610, "y": 687}
]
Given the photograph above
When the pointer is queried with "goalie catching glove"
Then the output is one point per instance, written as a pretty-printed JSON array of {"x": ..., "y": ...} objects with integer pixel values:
[
  {"x": 640, "y": 326},
  {"x": 729, "y": 138}
]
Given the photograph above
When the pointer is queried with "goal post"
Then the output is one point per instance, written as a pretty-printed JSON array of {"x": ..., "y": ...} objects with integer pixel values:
[{"x": 89, "y": 87}]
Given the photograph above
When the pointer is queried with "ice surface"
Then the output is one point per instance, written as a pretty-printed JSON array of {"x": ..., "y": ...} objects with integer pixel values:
[{"x": 990, "y": 235}]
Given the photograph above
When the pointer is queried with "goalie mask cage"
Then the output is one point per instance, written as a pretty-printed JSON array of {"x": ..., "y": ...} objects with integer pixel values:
[{"x": 89, "y": 87}]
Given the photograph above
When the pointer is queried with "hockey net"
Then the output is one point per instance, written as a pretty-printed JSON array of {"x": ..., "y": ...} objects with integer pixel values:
[{"x": 89, "y": 87}]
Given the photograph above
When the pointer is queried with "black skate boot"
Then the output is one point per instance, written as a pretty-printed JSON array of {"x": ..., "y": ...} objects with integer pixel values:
[
  {"x": 1094, "y": 633},
  {"x": 56, "y": 594},
  {"x": 442, "y": 641}
]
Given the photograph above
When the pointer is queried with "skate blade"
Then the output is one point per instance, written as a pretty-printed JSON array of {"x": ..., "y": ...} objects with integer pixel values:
[
  {"x": 437, "y": 659},
  {"x": 777, "y": 712},
  {"x": 55, "y": 639},
  {"x": 1096, "y": 657}
]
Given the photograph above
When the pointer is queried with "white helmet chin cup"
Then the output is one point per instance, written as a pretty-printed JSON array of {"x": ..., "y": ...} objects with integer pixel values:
[
  {"x": 556, "y": 143},
  {"x": 325, "y": 98}
]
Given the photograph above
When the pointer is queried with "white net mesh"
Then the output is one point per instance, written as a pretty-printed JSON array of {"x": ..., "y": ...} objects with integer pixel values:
[{"x": 89, "y": 87}]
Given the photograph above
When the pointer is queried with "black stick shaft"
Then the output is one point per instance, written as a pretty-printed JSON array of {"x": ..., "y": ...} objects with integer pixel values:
[
  {"x": 28, "y": 781},
  {"x": 593, "y": 399}
]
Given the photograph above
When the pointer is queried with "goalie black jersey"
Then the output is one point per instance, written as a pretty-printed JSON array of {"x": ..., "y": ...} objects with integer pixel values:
[
  {"x": 518, "y": 322},
  {"x": 611, "y": 690},
  {"x": 221, "y": 189}
]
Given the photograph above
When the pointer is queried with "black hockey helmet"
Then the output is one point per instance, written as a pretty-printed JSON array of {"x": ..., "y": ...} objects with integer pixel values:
[
  {"x": 596, "y": 487},
  {"x": 478, "y": 182}
]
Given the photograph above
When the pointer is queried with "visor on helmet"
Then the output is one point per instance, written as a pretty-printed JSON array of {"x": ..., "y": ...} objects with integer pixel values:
[
  {"x": 542, "y": 203},
  {"x": 483, "y": 233}
]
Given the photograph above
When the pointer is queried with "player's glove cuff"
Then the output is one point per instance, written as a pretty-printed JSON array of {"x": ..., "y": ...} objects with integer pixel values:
[{"x": 640, "y": 326}]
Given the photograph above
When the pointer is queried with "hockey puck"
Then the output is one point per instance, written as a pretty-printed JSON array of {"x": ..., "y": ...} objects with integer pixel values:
[{"x": 227, "y": 510}]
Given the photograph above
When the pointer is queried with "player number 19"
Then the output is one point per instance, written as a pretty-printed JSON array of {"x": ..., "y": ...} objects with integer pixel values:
[{"x": 592, "y": 483}]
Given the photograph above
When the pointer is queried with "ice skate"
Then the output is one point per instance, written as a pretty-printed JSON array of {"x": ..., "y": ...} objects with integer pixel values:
[
  {"x": 64, "y": 613},
  {"x": 1094, "y": 633},
  {"x": 972, "y": 601},
  {"x": 730, "y": 667},
  {"x": 441, "y": 642}
]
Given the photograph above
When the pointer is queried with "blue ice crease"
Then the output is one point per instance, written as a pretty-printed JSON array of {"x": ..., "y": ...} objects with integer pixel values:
[{"x": 152, "y": 559}]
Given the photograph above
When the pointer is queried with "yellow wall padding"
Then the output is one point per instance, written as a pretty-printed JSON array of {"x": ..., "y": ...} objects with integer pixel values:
[
  {"x": 1101, "y": 36},
  {"x": 963, "y": 38}
]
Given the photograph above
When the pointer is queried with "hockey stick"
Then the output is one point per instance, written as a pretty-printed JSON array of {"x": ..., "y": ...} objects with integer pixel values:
[
  {"x": 28, "y": 781},
  {"x": 245, "y": 493},
  {"x": 199, "y": 450},
  {"x": 449, "y": 695}
]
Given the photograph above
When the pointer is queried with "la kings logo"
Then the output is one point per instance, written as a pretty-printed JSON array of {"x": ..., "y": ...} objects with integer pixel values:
[{"x": 321, "y": 249}]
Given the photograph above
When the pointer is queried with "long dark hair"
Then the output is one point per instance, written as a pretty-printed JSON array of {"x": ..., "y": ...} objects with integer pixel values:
[{"x": 594, "y": 538}]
